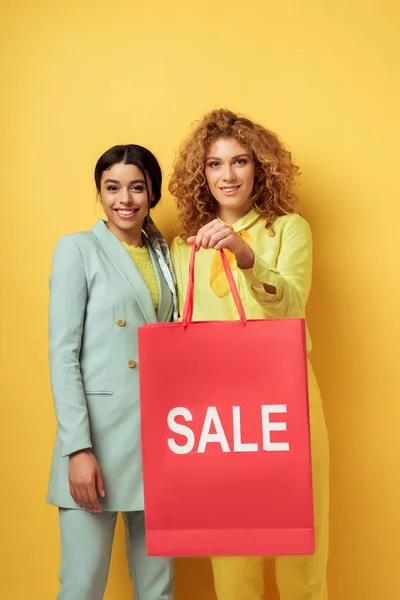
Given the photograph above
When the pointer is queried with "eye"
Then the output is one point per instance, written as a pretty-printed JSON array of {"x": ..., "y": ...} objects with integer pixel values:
[
  {"x": 111, "y": 188},
  {"x": 213, "y": 164},
  {"x": 241, "y": 161},
  {"x": 138, "y": 189}
]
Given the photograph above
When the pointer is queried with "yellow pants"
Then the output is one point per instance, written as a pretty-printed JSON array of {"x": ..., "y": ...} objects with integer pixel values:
[{"x": 297, "y": 577}]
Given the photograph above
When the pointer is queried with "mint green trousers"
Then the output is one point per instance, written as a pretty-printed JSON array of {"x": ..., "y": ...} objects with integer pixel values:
[{"x": 86, "y": 543}]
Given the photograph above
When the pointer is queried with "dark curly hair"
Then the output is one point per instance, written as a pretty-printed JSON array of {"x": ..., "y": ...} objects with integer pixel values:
[{"x": 274, "y": 171}]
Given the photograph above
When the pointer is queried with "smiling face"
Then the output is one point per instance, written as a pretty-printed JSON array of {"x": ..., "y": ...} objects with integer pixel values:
[
  {"x": 230, "y": 172},
  {"x": 124, "y": 198}
]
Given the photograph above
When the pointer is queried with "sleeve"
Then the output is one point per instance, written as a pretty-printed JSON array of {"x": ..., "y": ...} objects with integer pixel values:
[
  {"x": 68, "y": 297},
  {"x": 291, "y": 278},
  {"x": 176, "y": 258}
]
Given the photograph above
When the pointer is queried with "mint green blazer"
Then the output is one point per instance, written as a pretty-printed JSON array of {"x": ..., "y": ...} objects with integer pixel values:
[{"x": 98, "y": 300}]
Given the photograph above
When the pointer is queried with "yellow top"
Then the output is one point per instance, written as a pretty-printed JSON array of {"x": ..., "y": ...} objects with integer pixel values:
[
  {"x": 142, "y": 259},
  {"x": 283, "y": 261}
]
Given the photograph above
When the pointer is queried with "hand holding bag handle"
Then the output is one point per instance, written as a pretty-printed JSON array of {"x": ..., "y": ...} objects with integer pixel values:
[{"x": 188, "y": 308}]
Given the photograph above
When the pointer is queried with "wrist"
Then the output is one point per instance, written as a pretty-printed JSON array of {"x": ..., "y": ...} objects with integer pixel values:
[
  {"x": 245, "y": 258},
  {"x": 83, "y": 451}
]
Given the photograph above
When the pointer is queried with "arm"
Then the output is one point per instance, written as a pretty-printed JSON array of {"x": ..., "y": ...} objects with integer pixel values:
[
  {"x": 283, "y": 291},
  {"x": 68, "y": 296}
]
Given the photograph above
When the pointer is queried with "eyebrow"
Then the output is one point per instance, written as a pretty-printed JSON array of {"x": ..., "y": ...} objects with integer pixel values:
[
  {"x": 233, "y": 157},
  {"x": 130, "y": 183}
]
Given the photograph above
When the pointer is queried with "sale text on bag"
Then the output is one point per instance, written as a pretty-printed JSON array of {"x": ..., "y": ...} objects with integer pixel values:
[{"x": 213, "y": 431}]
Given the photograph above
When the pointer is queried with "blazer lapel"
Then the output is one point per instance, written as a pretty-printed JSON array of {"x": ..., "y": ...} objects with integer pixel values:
[{"x": 127, "y": 269}]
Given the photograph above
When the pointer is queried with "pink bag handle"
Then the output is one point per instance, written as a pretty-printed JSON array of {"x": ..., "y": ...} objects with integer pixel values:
[{"x": 188, "y": 308}]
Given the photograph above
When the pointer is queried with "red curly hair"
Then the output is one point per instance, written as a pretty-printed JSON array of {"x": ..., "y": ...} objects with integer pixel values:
[{"x": 274, "y": 171}]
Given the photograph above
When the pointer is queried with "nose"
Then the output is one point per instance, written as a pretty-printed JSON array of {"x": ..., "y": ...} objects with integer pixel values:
[
  {"x": 126, "y": 197},
  {"x": 228, "y": 173}
]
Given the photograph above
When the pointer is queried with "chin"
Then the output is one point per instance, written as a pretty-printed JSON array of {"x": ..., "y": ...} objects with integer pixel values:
[{"x": 234, "y": 203}]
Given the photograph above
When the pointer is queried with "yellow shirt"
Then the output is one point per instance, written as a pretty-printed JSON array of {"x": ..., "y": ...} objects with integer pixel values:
[
  {"x": 283, "y": 261},
  {"x": 142, "y": 259}
]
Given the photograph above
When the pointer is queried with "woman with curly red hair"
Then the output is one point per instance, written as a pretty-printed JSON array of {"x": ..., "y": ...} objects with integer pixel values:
[{"x": 233, "y": 180}]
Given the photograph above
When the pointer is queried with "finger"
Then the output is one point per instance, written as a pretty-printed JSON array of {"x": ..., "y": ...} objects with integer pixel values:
[
  {"x": 74, "y": 495},
  {"x": 211, "y": 224},
  {"x": 87, "y": 501},
  {"x": 192, "y": 241},
  {"x": 207, "y": 235},
  {"x": 100, "y": 484},
  {"x": 218, "y": 237},
  {"x": 204, "y": 230},
  {"x": 94, "y": 501},
  {"x": 82, "y": 497},
  {"x": 224, "y": 243},
  {"x": 199, "y": 239}
]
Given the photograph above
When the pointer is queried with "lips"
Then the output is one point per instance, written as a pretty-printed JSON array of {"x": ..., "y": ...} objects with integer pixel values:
[
  {"x": 126, "y": 213},
  {"x": 231, "y": 189}
]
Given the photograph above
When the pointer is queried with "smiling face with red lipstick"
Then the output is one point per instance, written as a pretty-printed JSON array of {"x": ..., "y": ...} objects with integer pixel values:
[
  {"x": 123, "y": 194},
  {"x": 128, "y": 181},
  {"x": 229, "y": 170}
]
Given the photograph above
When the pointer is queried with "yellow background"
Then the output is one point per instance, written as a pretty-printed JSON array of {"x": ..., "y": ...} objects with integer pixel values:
[{"x": 81, "y": 76}]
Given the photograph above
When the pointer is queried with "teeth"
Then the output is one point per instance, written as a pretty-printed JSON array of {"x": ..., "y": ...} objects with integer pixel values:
[
  {"x": 126, "y": 212},
  {"x": 230, "y": 189}
]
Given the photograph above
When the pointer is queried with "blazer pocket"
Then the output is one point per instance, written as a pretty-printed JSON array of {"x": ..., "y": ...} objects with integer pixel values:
[{"x": 99, "y": 393}]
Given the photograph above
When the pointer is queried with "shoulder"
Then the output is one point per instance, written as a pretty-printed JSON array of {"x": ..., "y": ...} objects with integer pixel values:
[
  {"x": 179, "y": 247},
  {"x": 178, "y": 242},
  {"x": 293, "y": 229},
  {"x": 294, "y": 234},
  {"x": 292, "y": 222},
  {"x": 180, "y": 255},
  {"x": 73, "y": 249},
  {"x": 75, "y": 241}
]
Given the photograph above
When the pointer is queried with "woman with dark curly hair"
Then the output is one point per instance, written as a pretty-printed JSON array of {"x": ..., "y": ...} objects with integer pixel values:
[{"x": 233, "y": 181}]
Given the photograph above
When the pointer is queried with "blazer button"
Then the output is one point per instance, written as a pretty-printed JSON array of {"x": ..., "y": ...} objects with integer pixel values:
[
  {"x": 131, "y": 363},
  {"x": 120, "y": 322}
]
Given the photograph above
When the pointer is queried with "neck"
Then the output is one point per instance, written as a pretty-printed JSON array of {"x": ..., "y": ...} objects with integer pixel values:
[
  {"x": 231, "y": 215},
  {"x": 132, "y": 237}
]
